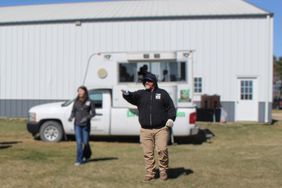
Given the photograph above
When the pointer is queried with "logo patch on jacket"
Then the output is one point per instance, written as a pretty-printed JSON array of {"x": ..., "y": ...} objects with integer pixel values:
[
  {"x": 87, "y": 103},
  {"x": 158, "y": 96}
]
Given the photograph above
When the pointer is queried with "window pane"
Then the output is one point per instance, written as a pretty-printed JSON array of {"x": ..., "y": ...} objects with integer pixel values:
[
  {"x": 156, "y": 69},
  {"x": 143, "y": 68},
  {"x": 173, "y": 71},
  {"x": 183, "y": 71},
  {"x": 246, "y": 90},
  {"x": 242, "y": 97},
  {"x": 97, "y": 97},
  {"x": 246, "y": 83},
  {"x": 127, "y": 72},
  {"x": 198, "y": 85}
]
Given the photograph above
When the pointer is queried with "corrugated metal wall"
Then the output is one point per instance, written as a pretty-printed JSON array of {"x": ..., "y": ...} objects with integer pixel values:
[{"x": 48, "y": 61}]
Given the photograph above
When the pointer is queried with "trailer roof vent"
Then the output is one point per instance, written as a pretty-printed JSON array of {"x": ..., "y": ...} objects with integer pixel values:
[
  {"x": 107, "y": 56},
  {"x": 78, "y": 23},
  {"x": 157, "y": 56},
  {"x": 146, "y": 56},
  {"x": 186, "y": 54}
]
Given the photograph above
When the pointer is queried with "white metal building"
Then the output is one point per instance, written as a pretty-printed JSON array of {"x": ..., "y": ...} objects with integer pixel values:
[{"x": 44, "y": 48}]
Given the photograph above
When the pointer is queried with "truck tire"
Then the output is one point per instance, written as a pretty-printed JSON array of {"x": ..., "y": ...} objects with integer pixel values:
[{"x": 51, "y": 131}]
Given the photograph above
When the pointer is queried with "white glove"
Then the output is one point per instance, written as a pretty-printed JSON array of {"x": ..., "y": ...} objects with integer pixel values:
[
  {"x": 125, "y": 92},
  {"x": 169, "y": 123}
]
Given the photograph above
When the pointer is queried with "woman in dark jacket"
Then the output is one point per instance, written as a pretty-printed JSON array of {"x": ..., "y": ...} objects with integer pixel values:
[{"x": 82, "y": 112}]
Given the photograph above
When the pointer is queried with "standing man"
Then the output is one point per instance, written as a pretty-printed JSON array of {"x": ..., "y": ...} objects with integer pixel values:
[{"x": 156, "y": 115}]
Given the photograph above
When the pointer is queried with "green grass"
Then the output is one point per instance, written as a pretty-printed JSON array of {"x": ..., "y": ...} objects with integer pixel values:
[{"x": 241, "y": 155}]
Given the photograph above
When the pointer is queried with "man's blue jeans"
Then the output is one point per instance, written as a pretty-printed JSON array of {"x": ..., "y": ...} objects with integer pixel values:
[{"x": 83, "y": 149}]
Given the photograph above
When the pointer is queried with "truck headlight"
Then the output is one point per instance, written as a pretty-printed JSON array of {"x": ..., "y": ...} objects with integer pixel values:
[{"x": 32, "y": 117}]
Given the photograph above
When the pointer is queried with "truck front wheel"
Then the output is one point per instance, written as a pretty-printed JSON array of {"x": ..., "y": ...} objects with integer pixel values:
[{"x": 51, "y": 131}]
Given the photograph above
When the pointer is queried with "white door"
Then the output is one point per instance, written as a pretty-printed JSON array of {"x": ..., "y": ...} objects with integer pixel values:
[
  {"x": 247, "y": 100},
  {"x": 100, "y": 124}
]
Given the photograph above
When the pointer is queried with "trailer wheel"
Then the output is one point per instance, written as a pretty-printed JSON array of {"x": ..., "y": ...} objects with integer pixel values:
[{"x": 51, "y": 131}]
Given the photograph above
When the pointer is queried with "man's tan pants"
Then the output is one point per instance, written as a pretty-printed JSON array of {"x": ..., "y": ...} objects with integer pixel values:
[{"x": 151, "y": 139}]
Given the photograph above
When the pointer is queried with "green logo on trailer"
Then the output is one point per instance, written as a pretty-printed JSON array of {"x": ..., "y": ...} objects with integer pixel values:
[
  {"x": 180, "y": 114},
  {"x": 130, "y": 113}
]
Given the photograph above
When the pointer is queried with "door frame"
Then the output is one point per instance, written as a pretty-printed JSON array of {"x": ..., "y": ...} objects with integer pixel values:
[
  {"x": 103, "y": 113},
  {"x": 238, "y": 94}
]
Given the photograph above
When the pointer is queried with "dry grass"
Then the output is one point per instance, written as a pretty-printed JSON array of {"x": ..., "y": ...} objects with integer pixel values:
[{"x": 241, "y": 155}]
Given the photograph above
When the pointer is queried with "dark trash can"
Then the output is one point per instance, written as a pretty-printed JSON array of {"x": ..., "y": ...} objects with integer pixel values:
[
  {"x": 210, "y": 108},
  {"x": 207, "y": 115}
]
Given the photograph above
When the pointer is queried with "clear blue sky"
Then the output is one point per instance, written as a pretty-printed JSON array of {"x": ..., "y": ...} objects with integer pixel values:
[{"x": 274, "y": 6}]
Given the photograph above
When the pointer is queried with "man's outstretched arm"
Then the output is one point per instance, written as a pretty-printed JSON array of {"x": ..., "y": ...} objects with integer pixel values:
[{"x": 131, "y": 97}]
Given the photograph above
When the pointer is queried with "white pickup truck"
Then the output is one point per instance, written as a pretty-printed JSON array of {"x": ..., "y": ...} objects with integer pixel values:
[{"x": 106, "y": 75}]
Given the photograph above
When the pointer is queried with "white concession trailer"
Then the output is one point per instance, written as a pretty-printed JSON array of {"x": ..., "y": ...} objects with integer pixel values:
[{"x": 45, "y": 49}]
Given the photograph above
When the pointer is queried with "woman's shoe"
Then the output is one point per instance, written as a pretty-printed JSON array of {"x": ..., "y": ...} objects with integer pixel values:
[{"x": 86, "y": 160}]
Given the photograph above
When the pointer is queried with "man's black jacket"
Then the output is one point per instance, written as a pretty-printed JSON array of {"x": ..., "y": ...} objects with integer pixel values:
[{"x": 155, "y": 107}]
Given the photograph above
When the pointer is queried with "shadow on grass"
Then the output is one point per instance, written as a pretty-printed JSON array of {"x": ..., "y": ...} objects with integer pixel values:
[
  {"x": 122, "y": 139},
  {"x": 274, "y": 121},
  {"x": 10, "y": 143},
  {"x": 5, "y": 145},
  {"x": 204, "y": 135},
  {"x": 103, "y": 159},
  {"x": 174, "y": 173}
]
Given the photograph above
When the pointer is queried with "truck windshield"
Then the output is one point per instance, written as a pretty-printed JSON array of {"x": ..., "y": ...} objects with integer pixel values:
[
  {"x": 165, "y": 71},
  {"x": 94, "y": 95},
  {"x": 68, "y": 102}
]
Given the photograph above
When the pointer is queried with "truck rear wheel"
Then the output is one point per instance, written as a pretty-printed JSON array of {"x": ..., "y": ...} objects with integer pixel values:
[{"x": 51, "y": 131}]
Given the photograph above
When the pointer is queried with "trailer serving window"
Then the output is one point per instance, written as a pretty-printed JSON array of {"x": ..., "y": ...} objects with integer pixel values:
[{"x": 168, "y": 71}]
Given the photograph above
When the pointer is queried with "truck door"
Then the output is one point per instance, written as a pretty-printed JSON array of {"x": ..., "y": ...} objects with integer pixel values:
[{"x": 100, "y": 124}]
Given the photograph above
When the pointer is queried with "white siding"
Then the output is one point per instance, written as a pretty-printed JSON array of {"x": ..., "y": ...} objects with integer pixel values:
[{"x": 48, "y": 61}]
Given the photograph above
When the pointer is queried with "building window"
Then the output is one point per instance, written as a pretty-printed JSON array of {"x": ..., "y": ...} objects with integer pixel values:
[
  {"x": 198, "y": 85},
  {"x": 165, "y": 71},
  {"x": 246, "y": 90}
]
